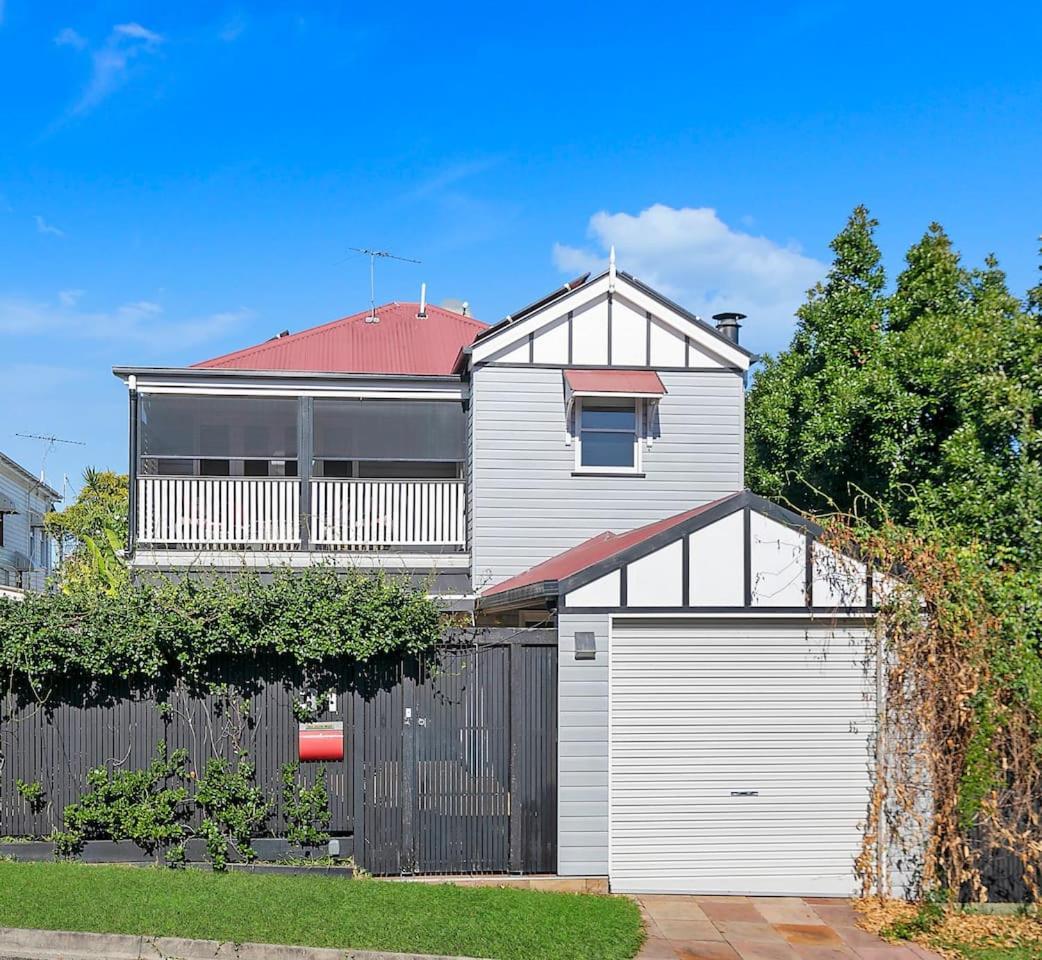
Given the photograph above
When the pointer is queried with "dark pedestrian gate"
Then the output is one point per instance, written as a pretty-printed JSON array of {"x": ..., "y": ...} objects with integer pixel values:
[
  {"x": 458, "y": 760},
  {"x": 450, "y": 762}
]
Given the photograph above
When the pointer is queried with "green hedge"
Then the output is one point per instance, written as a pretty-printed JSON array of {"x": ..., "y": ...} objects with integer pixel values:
[{"x": 177, "y": 628}]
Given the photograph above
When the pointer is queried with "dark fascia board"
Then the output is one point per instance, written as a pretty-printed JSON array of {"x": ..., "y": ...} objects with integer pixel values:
[
  {"x": 734, "y": 503},
  {"x": 684, "y": 312},
  {"x": 519, "y": 596},
  {"x": 236, "y": 374},
  {"x": 535, "y": 305},
  {"x": 811, "y": 613}
]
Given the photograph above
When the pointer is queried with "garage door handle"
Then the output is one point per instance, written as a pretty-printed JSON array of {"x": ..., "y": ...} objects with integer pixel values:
[{"x": 745, "y": 793}]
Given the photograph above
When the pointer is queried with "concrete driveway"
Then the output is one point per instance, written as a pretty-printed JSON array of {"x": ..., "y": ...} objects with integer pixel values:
[{"x": 761, "y": 928}]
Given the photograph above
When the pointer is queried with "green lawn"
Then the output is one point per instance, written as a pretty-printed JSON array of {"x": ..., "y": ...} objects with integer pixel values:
[{"x": 319, "y": 911}]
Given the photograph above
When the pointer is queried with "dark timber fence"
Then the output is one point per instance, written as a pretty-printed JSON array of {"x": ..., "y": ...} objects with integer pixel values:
[{"x": 450, "y": 761}]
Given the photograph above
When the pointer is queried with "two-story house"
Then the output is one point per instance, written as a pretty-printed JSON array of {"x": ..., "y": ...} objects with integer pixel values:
[
  {"x": 580, "y": 465},
  {"x": 25, "y": 547}
]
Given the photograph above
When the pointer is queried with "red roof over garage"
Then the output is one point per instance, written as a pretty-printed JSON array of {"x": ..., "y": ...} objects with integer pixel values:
[
  {"x": 594, "y": 550},
  {"x": 399, "y": 343},
  {"x": 629, "y": 383}
]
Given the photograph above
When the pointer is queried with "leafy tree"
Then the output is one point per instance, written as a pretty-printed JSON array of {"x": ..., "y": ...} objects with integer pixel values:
[
  {"x": 90, "y": 533},
  {"x": 928, "y": 399},
  {"x": 811, "y": 410}
]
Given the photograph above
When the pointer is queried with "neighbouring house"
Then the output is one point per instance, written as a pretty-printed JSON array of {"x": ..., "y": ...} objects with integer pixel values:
[
  {"x": 578, "y": 466},
  {"x": 25, "y": 546}
]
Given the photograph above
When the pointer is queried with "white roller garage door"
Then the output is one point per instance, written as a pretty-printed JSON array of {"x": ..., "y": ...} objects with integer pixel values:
[{"x": 739, "y": 755}]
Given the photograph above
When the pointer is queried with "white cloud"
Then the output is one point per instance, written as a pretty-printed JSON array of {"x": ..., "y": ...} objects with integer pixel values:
[
  {"x": 111, "y": 61},
  {"x": 67, "y": 37},
  {"x": 42, "y": 226},
  {"x": 136, "y": 322},
  {"x": 137, "y": 32},
  {"x": 693, "y": 257}
]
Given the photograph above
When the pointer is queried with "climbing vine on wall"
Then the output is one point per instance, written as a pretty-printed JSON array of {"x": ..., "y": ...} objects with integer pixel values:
[{"x": 958, "y": 770}]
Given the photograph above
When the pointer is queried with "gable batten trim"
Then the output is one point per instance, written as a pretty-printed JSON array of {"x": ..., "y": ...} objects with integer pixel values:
[
  {"x": 611, "y": 297},
  {"x": 647, "y": 345},
  {"x": 685, "y": 570},
  {"x": 747, "y": 561},
  {"x": 571, "y": 336}
]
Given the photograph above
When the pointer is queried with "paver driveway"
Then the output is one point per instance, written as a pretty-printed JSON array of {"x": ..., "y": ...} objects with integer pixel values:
[{"x": 761, "y": 928}]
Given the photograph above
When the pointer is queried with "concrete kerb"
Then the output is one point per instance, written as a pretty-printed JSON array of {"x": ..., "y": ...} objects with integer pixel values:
[{"x": 16, "y": 944}]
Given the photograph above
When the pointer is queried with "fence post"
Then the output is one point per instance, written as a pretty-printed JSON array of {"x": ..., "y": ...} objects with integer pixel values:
[
  {"x": 408, "y": 786},
  {"x": 515, "y": 673},
  {"x": 358, "y": 771}
]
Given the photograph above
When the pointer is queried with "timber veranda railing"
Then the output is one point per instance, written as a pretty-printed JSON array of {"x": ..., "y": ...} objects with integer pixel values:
[{"x": 228, "y": 512}]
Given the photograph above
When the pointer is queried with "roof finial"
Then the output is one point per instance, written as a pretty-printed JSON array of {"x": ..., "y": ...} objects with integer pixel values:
[{"x": 611, "y": 269}]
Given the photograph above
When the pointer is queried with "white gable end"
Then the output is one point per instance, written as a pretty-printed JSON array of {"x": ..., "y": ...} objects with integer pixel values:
[{"x": 593, "y": 325}]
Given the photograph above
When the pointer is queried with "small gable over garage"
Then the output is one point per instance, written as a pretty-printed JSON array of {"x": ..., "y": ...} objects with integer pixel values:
[{"x": 740, "y": 552}]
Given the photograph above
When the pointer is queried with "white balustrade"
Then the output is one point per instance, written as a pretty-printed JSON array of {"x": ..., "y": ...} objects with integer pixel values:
[
  {"x": 215, "y": 512},
  {"x": 218, "y": 512},
  {"x": 362, "y": 514}
]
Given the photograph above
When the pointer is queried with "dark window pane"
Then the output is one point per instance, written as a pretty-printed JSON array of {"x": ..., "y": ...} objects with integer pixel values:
[
  {"x": 607, "y": 449},
  {"x": 406, "y": 470},
  {"x": 170, "y": 467},
  {"x": 212, "y": 467},
  {"x": 333, "y": 468},
  {"x": 174, "y": 425},
  {"x": 389, "y": 430},
  {"x": 608, "y": 418},
  {"x": 255, "y": 468}
]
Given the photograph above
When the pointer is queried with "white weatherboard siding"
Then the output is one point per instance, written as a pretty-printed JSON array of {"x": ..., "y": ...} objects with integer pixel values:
[
  {"x": 702, "y": 710},
  {"x": 17, "y": 537},
  {"x": 526, "y": 505},
  {"x": 582, "y": 750}
]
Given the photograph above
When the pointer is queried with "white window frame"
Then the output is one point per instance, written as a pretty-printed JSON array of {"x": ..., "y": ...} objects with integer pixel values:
[{"x": 638, "y": 431}]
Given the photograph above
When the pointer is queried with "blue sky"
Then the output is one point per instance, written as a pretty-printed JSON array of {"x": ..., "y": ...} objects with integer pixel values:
[{"x": 177, "y": 180}]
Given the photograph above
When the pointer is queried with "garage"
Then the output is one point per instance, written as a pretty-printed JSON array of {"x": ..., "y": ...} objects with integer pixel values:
[
  {"x": 739, "y": 753},
  {"x": 717, "y": 678}
]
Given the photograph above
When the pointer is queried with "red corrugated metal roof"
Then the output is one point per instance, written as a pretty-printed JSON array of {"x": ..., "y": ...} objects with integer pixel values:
[
  {"x": 400, "y": 343},
  {"x": 626, "y": 382},
  {"x": 594, "y": 550}
]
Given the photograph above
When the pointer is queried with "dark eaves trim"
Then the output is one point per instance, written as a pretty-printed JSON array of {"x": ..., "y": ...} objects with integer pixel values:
[
  {"x": 237, "y": 374},
  {"x": 684, "y": 312},
  {"x": 536, "y": 305},
  {"x": 510, "y": 599}
]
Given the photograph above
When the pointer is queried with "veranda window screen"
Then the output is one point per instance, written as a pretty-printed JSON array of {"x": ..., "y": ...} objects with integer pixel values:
[
  {"x": 172, "y": 425},
  {"x": 389, "y": 430}
]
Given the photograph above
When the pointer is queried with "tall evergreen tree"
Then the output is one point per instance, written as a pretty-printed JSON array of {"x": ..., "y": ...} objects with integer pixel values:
[{"x": 810, "y": 410}]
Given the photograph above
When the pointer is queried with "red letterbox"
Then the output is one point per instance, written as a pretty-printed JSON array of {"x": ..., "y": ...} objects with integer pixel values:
[{"x": 321, "y": 741}]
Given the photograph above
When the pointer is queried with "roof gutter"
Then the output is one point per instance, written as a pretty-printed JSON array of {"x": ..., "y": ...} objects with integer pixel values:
[
  {"x": 238, "y": 374},
  {"x": 518, "y": 596}
]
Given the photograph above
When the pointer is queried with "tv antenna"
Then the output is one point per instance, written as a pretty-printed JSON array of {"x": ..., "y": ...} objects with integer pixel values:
[
  {"x": 51, "y": 441},
  {"x": 372, "y": 255}
]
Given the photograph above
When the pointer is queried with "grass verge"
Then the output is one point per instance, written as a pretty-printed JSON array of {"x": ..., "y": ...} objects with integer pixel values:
[{"x": 319, "y": 911}]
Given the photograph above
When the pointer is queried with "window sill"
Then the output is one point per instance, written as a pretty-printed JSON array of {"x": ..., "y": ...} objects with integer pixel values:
[{"x": 609, "y": 473}]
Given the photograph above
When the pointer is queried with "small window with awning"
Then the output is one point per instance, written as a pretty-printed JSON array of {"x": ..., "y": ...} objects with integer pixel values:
[{"x": 607, "y": 415}]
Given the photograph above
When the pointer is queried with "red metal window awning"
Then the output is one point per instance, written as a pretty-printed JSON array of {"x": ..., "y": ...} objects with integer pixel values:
[{"x": 616, "y": 383}]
